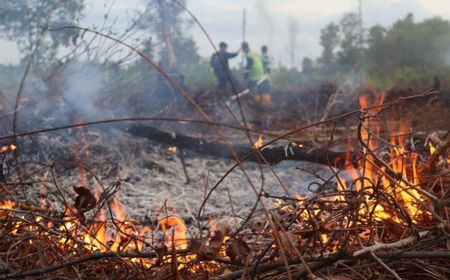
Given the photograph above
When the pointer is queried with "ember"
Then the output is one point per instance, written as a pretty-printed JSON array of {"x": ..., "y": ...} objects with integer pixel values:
[
  {"x": 259, "y": 143},
  {"x": 172, "y": 149}
]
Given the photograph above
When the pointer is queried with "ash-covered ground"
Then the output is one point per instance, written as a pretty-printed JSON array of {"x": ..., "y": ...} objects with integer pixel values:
[{"x": 152, "y": 179}]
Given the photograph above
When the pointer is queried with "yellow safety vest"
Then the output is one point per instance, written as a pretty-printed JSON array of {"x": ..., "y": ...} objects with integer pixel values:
[{"x": 256, "y": 71}]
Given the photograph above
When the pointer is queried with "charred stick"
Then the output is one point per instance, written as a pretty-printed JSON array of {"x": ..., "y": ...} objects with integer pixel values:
[
  {"x": 92, "y": 257},
  {"x": 186, "y": 175}
]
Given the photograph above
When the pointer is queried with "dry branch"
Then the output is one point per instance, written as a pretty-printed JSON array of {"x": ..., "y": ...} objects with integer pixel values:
[{"x": 386, "y": 246}]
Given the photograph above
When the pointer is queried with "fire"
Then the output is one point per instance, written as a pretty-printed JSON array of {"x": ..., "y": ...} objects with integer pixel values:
[
  {"x": 175, "y": 230},
  {"x": 4, "y": 149},
  {"x": 403, "y": 163},
  {"x": 370, "y": 187},
  {"x": 172, "y": 149},
  {"x": 5, "y": 205},
  {"x": 259, "y": 143}
]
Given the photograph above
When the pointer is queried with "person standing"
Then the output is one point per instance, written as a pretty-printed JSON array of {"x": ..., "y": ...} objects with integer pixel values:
[
  {"x": 221, "y": 67},
  {"x": 265, "y": 59},
  {"x": 256, "y": 78}
]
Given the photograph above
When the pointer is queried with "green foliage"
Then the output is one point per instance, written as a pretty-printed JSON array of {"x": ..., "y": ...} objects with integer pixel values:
[
  {"x": 24, "y": 20},
  {"x": 329, "y": 40},
  {"x": 152, "y": 20},
  {"x": 282, "y": 76},
  {"x": 350, "y": 53},
  {"x": 415, "y": 49},
  {"x": 406, "y": 52},
  {"x": 307, "y": 65},
  {"x": 186, "y": 51},
  {"x": 199, "y": 74}
]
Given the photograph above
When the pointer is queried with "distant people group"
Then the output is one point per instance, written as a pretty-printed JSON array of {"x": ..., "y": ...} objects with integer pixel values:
[{"x": 256, "y": 71}]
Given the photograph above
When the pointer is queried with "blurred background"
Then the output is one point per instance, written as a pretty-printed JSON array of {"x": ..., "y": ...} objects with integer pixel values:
[{"x": 312, "y": 47}]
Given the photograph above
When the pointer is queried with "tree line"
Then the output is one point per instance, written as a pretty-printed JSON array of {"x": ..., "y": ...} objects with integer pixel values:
[{"x": 407, "y": 51}]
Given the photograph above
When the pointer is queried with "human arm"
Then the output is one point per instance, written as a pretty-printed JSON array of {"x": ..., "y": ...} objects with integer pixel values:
[{"x": 232, "y": 55}]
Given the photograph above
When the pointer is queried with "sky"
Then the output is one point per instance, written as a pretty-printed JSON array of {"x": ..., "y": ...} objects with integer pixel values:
[{"x": 267, "y": 21}]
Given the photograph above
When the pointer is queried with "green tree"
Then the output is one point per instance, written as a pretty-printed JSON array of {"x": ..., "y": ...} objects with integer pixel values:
[
  {"x": 24, "y": 20},
  {"x": 376, "y": 50},
  {"x": 163, "y": 19},
  {"x": 329, "y": 40},
  {"x": 307, "y": 65},
  {"x": 350, "y": 53},
  {"x": 416, "y": 49}
]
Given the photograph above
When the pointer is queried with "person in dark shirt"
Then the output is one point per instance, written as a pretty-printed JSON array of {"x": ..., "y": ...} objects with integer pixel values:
[
  {"x": 221, "y": 67},
  {"x": 265, "y": 59}
]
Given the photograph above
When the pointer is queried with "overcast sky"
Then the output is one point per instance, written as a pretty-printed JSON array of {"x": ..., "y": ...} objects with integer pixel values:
[{"x": 267, "y": 21}]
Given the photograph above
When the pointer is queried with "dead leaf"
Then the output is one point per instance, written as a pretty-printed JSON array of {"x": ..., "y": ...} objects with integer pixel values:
[
  {"x": 288, "y": 242},
  {"x": 238, "y": 251},
  {"x": 216, "y": 239},
  {"x": 84, "y": 201}
]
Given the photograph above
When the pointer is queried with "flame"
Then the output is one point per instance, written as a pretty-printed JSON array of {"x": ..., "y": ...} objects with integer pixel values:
[
  {"x": 5, "y": 205},
  {"x": 118, "y": 210},
  {"x": 371, "y": 99},
  {"x": 172, "y": 149},
  {"x": 4, "y": 149},
  {"x": 364, "y": 182},
  {"x": 175, "y": 231},
  {"x": 431, "y": 147},
  {"x": 259, "y": 143},
  {"x": 372, "y": 207}
]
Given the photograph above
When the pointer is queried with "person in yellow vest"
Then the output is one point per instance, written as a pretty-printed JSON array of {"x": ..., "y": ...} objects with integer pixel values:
[{"x": 256, "y": 78}]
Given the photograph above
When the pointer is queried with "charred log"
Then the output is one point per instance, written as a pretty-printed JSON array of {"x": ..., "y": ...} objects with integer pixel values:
[{"x": 273, "y": 154}]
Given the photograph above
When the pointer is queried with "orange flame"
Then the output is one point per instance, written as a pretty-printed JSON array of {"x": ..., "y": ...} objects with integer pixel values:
[
  {"x": 5, "y": 205},
  {"x": 172, "y": 149},
  {"x": 4, "y": 149},
  {"x": 400, "y": 160},
  {"x": 259, "y": 143},
  {"x": 175, "y": 231}
]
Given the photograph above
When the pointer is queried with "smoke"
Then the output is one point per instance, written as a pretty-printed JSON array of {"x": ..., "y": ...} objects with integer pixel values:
[
  {"x": 447, "y": 57},
  {"x": 84, "y": 82},
  {"x": 293, "y": 32},
  {"x": 261, "y": 8},
  {"x": 72, "y": 93}
]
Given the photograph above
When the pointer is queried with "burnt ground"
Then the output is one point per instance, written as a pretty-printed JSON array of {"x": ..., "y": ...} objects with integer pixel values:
[{"x": 152, "y": 178}]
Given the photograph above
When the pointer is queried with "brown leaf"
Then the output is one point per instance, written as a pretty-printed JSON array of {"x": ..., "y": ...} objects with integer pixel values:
[
  {"x": 198, "y": 247},
  {"x": 288, "y": 242},
  {"x": 84, "y": 201},
  {"x": 217, "y": 236},
  {"x": 238, "y": 251}
]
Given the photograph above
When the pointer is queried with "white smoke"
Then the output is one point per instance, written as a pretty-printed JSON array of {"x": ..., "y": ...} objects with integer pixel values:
[{"x": 84, "y": 83}]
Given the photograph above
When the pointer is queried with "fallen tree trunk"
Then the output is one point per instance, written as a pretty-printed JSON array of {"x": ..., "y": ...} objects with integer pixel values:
[{"x": 273, "y": 154}]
